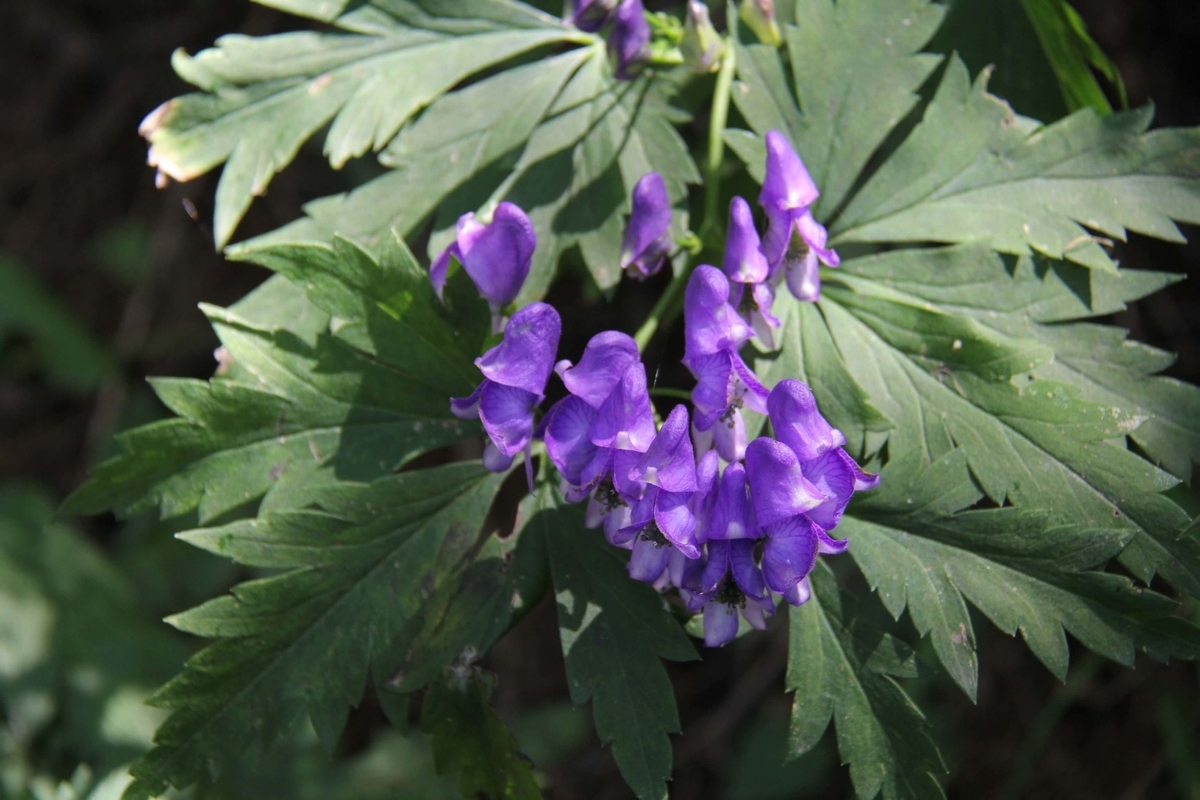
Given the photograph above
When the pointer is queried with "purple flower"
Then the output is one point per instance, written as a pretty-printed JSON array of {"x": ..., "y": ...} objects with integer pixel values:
[
  {"x": 795, "y": 241},
  {"x": 748, "y": 271},
  {"x": 591, "y": 15},
  {"x": 730, "y": 582},
  {"x": 713, "y": 331},
  {"x": 732, "y": 515},
  {"x": 496, "y": 256},
  {"x": 664, "y": 516},
  {"x": 629, "y": 39},
  {"x": 798, "y": 423},
  {"x": 647, "y": 241},
  {"x": 515, "y": 374}
]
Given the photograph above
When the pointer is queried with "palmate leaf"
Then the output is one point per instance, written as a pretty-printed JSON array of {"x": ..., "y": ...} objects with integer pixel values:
[
  {"x": 360, "y": 573},
  {"x": 348, "y": 382},
  {"x": 842, "y": 668},
  {"x": 263, "y": 97},
  {"x": 614, "y": 632}
]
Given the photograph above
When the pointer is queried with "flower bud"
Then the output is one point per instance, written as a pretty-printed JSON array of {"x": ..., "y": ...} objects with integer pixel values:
[
  {"x": 701, "y": 45},
  {"x": 760, "y": 16}
]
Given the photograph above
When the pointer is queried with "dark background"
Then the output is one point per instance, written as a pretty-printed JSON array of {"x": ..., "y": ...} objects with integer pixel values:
[{"x": 79, "y": 211}]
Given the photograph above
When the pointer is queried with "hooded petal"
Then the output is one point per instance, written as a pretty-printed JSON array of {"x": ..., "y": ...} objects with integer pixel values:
[
  {"x": 729, "y": 436},
  {"x": 710, "y": 323},
  {"x": 628, "y": 39},
  {"x": 787, "y": 185},
  {"x": 648, "y": 560},
  {"x": 669, "y": 463},
  {"x": 592, "y": 15},
  {"x": 647, "y": 237},
  {"x": 720, "y": 624},
  {"x": 566, "y": 436},
  {"x": 497, "y": 256},
  {"x": 507, "y": 416},
  {"x": 833, "y": 477},
  {"x": 626, "y": 420},
  {"x": 776, "y": 483},
  {"x": 732, "y": 513},
  {"x": 604, "y": 361},
  {"x": 525, "y": 355},
  {"x": 744, "y": 259},
  {"x": 798, "y": 423},
  {"x": 676, "y": 522},
  {"x": 790, "y": 552}
]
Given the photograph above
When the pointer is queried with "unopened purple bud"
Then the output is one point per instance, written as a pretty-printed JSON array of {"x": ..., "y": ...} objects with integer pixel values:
[
  {"x": 591, "y": 15},
  {"x": 744, "y": 259},
  {"x": 496, "y": 256},
  {"x": 647, "y": 241},
  {"x": 629, "y": 39}
]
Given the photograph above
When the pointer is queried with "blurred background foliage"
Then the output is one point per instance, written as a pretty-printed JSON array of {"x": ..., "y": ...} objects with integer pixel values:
[{"x": 100, "y": 274}]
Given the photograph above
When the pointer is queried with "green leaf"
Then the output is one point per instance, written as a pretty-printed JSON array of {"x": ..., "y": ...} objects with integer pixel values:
[
  {"x": 857, "y": 66},
  {"x": 349, "y": 385},
  {"x": 469, "y": 738},
  {"x": 972, "y": 171},
  {"x": 1073, "y": 55},
  {"x": 840, "y": 667},
  {"x": 264, "y": 97},
  {"x": 63, "y": 348},
  {"x": 359, "y": 573},
  {"x": 1022, "y": 569},
  {"x": 614, "y": 630}
]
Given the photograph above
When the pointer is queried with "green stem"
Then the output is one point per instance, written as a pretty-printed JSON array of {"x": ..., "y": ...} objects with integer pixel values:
[
  {"x": 668, "y": 304},
  {"x": 667, "y": 391}
]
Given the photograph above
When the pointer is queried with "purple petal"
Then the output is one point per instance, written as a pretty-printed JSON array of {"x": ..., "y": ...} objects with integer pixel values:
[
  {"x": 685, "y": 572},
  {"x": 711, "y": 324},
  {"x": 720, "y": 624},
  {"x": 790, "y": 553},
  {"x": 647, "y": 239},
  {"x": 798, "y": 423},
  {"x": 566, "y": 436},
  {"x": 468, "y": 407},
  {"x": 703, "y": 498},
  {"x": 591, "y": 15},
  {"x": 863, "y": 481},
  {"x": 441, "y": 266},
  {"x": 833, "y": 477},
  {"x": 622, "y": 462},
  {"x": 746, "y": 572},
  {"x": 604, "y": 361},
  {"x": 777, "y": 485},
  {"x": 717, "y": 566},
  {"x": 494, "y": 460},
  {"x": 756, "y": 612},
  {"x": 756, "y": 395},
  {"x": 732, "y": 513},
  {"x": 669, "y": 463},
  {"x": 815, "y": 236},
  {"x": 777, "y": 239},
  {"x": 804, "y": 277},
  {"x": 787, "y": 185},
  {"x": 617, "y": 529},
  {"x": 676, "y": 522},
  {"x": 497, "y": 256},
  {"x": 628, "y": 39},
  {"x": 507, "y": 416},
  {"x": 798, "y": 594},
  {"x": 591, "y": 475},
  {"x": 626, "y": 420},
  {"x": 830, "y": 546},
  {"x": 744, "y": 260},
  {"x": 761, "y": 319},
  {"x": 713, "y": 388},
  {"x": 525, "y": 356},
  {"x": 648, "y": 560},
  {"x": 729, "y": 437}
]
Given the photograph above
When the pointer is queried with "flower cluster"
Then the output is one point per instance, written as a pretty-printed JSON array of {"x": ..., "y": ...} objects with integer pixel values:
[{"x": 732, "y": 539}]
